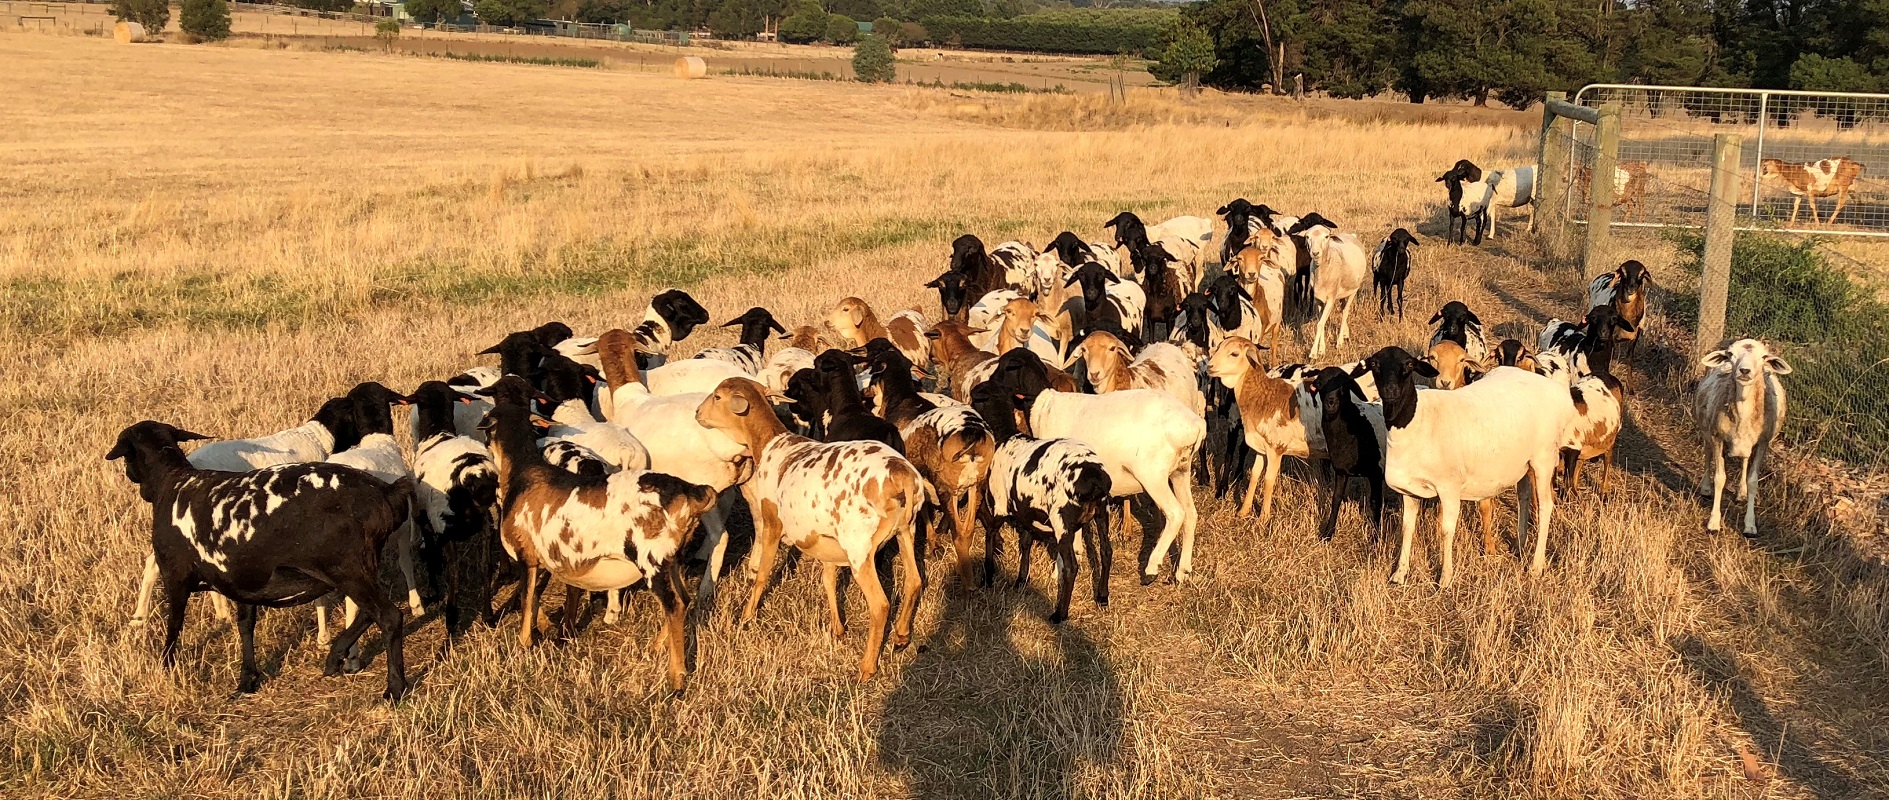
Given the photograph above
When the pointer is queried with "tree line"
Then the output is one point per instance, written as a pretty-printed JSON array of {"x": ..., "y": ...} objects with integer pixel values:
[{"x": 1513, "y": 51}]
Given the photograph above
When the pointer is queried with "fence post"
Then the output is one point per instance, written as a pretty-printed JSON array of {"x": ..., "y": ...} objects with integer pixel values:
[
  {"x": 1551, "y": 187},
  {"x": 1721, "y": 215},
  {"x": 1600, "y": 191}
]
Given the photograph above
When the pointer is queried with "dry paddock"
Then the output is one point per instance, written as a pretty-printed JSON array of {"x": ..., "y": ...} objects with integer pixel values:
[{"x": 226, "y": 245}]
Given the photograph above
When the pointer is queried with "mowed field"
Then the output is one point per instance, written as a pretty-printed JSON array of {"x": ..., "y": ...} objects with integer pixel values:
[{"x": 221, "y": 238}]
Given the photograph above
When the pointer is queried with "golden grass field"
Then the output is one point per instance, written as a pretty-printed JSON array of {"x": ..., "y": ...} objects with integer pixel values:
[{"x": 221, "y": 237}]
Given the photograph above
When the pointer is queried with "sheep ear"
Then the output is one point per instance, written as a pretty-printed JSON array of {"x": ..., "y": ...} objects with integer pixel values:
[
  {"x": 935, "y": 283},
  {"x": 1070, "y": 361},
  {"x": 738, "y": 403},
  {"x": 1717, "y": 358},
  {"x": 463, "y": 399},
  {"x": 1423, "y": 368},
  {"x": 490, "y": 351},
  {"x": 1435, "y": 318},
  {"x": 118, "y": 451},
  {"x": 1112, "y": 277},
  {"x": 1624, "y": 325},
  {"x": 1071, "y": 281},
  {"x": 182, "y": 435},
  {"x": 1363, "y": 368},
  {"x": 1473, "y": 318},
  {"x": 1777, "y": 366},
  {"x": 539, "y": 422}
]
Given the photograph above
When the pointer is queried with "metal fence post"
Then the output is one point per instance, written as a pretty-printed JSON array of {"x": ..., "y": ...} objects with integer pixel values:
[
  {"x": 1551, "y": 186},
  {"x": 1600, "y": 191},
  {"x": 1721, "y": 212}
]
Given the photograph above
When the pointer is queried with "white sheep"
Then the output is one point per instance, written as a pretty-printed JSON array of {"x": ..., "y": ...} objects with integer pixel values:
[
  {"x": 1341, "y": 268},
  {"x": 1738, "y": 407}
]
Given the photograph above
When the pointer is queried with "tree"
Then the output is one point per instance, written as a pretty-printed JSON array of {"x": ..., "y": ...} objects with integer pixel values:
[
  {"x": 920, "y": 9},
  {"x": 912, "y": 34},
  {"x": 207, "y": 20},
  {"x": 152, "y": 14},
  {"x": 841, "y": 29},
  {"x": 593, "y": 11},
  {"x": 873, "y": 61},
  {"x": 891, "y": 30},
  {"x": 1188, "y": 55},
  {"x": 388, "y": 32},
  {"x": 807, "y": 24},
  {"x": 857, "y": 9},
  {"x": 508, "y": 13},
  {"x": 425, "y": 11},
  {"x": 735, "y": 19}
]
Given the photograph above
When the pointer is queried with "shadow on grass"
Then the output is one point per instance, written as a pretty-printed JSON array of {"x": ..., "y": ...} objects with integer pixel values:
[{"x": 1719, "y": 670}]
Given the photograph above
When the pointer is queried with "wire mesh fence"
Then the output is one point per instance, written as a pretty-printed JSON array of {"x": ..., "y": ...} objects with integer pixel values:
[{"x": 1814, "y": 292}]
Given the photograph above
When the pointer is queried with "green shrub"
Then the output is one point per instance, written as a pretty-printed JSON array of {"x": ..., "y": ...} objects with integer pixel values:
[
  {"x": 804, "y": 26},
  {"x": 434, "y": 10},
  {"x": 152, "y": 14},
  {"x": 889, "y": 29},
  {"x": 388, "y": 32},
  {"x": 207, "y": 20},
  {"x": 1188, "y": 55},
  {"x": 1834, "y": 332},
  {"x": 841, "y": 29},
  {"x": 873, "y": 62},
  {"x": 508, "y": 13},
  {"x": 912, "y": 34}
]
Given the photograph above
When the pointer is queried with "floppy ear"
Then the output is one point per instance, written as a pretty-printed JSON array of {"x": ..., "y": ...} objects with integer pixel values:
[
  {"x": 1777, "y": 366},
  {"x": 1222, "y": 211},
  {"x": 1473, "y": 318},
  {"x": 1072, "y": 280},
  {"x": 1074, "y": 356},
  {"x": 1424, "y": 368},
  {"x": 1623, "y": 325},
  {"x": 1112, "y": 277},
  {"x": 484, "y": 391},
  {"x": 1717, "y": 358},
  {"x": 733, "y": 322},
  {"x": 1252, "y": 356},
  {"x": 1472, "y": 371},
  {"x": 182, "y": 435},
  {"x": 490, "y": 351},
  {"x": 1434, "y": 318},
  {"x": 935, "y": 283},
  {"x": 119, "y": 450},
  {"x": 859, "y": 316},
  {"x": 928, "y": 335},
  {"x": 1363, "y": 368},
  {"x": 738, "y": 403},
  {"x": 1443, "y": 177}
]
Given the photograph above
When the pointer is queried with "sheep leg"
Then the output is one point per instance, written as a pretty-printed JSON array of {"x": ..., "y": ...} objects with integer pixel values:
[
  {"x": 1540, "y": 481},
  {"x": 1100, "y": 551},
  {"x": 1448, "y": 513},
  {"x": 1318, "y": 339},
  {"x": 993, "y": 543},
  {"x": 403, "y": 550},
  {"x": 914, "y": 582},
  {"x": 1738, "y": 480},
  {"x": 1190, "y": 519},
  {"x": 1164, "y": 498},
  {"x": 1411, "y": 506},
  {"x": 1486, "y": 509},
  {"x": 1344, "y": 320},
  {"x": 675, "y": 605},
  {"x": 1752, "y": 465},
  {"x": 392, "y": 626},
  {"x": 248, "y": 677},
  {"x": 1269, "y": 474},
  {"x": 1606, "y": 467},
  {"x": 1492, "y": 214},
  {"x": 867, "y": 577},
  {"x": 767, "y": 540},
  {"x": 714, "y": 544},
  {"x": 528, "y": 607},
  {"x": 612, "y": 606},
  {"x": 1842, "y": 197},
  {"x": 146, "y": 587},
  {"x": 1797, "y": 202},
  {"x": 323, "y": 605},
  {"x": 1329, "y": 527},
  {"x": 830, "y": 584},
  {"x": 1813, "y": 210},
  {"x": 1025, "y": 540},
  {"x": 1571, "y": 469},
  {"x": 575, "y": 601},
  {"x": 961, "y": 530},
  {"x": 1065, "y": 555}
]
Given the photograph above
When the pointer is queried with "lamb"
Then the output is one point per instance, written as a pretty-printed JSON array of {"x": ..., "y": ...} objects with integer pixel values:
[
  {"x": 755, "y": 324},
  {"x": 969, "y": 259},
  {"x": 1476, "y": 196},
  {"x": 593, "y": 534},
  {"x": 838, "y": 502},
  {"x": 951, "y": 288},
  {"x": 456, "y": 489},
  {"x": 1167, "y": 281},
  {"x": 1241, "y": 224},
  {"x": 1108, "y": 300},
  {"x": 1390, "y": 269},
  {"x": 1453, "y": 366},
  {"x": 1195, "y": 232},
  {"x": 1025, "y": 326},
  {"x": 277, "y": 536},
  {"x": 1625, "y": 290},
  {"x": 1629, "y": 184},
  {"x": 1821, "y": 178},
  {"x": 1468, "y": 444},
  {"x": 950, "y": 446},
  {"x": 332, "y": 428},
  {"x": 1353, "y": 448},
  {"x": 1263, "y": 282},
  {"x": 1159, "y": 366},
  {"x": 954, "y": 356},
  {"x": 1599, "y": 403},
  {"x": 848, "y": 417},
  {"x": 1739, "y": 408},
  {"x": 1340, "y": 270},
  {"x": 1456, "y": 323},
  {"x": 1146, "y": 439},
  {"x": 1588, "y": 347},
  {"x": 1048, "y": 490}
]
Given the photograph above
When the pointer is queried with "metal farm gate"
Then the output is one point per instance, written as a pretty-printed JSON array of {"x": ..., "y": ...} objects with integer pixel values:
[{"x": 1734, "y": 176}]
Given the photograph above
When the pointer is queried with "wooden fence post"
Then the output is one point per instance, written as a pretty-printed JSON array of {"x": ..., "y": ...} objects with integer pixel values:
[
  {"x": 1721, "y": 215},
  {"x": 1551, "y": 202},
  {"x": 1600, "y": 191}
]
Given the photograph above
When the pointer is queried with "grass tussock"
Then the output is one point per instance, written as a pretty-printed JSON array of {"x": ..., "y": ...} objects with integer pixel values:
[{"x": 229, "y": 272}]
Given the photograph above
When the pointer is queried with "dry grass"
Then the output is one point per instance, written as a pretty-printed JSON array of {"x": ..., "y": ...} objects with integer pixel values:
[{"x": 226, "y": 246}]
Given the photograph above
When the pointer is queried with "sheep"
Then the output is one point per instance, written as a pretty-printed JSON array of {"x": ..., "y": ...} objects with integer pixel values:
[
  {"x": 1241, "y": 224},
  {"x": 1012, "y": 261},
  {"x": 951, "y": 448},
  {"x": 456, "y": 489},
  {"x": 1453, "y": 366},
  {"x": 1587, "y": 347},
  {"x": 1025, "y": 326},
  {"x": 1167, "y": 284},
  {"x": 755, "y": 324},
  {"x": 1263, "y": 282},
  {"x": 1049, "y": 490},
  {"x": 277, "y": 536},
  {"x": 1159, "y": 366},
  {"x": 1739, "y": 408},
  {"x": 804, "y": 402},
  {"x": 982, "y": 274},
  {"x": 1630, "y": 179},
  {"x": 671, "y": 316},
  {"x": 838, "y": 502},
  {"x": 1146, "y": 438},
  {"x": 1353, "y": 448},
  {"x": 1279, "y": 416},
  {"x": 593, "y": 534},
  {"x": 520, "y": 352},
  {"x": 1340, "y": 270},
  {"x": 986, "y": 315},
  {"x": 1456, "y": 323},
  {"x": 1195, "y": 232},
  {"x": 1821, "y": 178},
  {"x": 1460, "y": 176},
  {"x": 1108, "y": 300},
  {"x": 1390, "y": 268},
  {"x": 797, "y": 355},
  {"x": 378, "y": 454},
  {"x": 576, "y": 458},
  {"x": 333, "y": 427},
  {"x": 1070, "y": 251},
  {"x": 1468, "y": 444},
  {"x": 954, "y": 356},
  {"x": 1475, "y": 195},
  {"x": 1625, "y": 290},
  {"x": 848, "y": 418},
  {"x": 951, "y": 290},
  {"x": 1599, "y": 405},
  {"x": 1515, "y": 353},
  {"x": 566, "y": 388}
]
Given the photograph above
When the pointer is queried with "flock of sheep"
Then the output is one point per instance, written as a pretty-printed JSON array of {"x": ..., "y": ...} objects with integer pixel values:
[{"x": 1057, "y": 384}]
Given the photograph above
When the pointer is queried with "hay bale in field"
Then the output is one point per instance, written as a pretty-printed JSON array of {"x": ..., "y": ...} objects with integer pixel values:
[
  {"x": 690, "y": 67},
  {"x": 129, "y": 32}
]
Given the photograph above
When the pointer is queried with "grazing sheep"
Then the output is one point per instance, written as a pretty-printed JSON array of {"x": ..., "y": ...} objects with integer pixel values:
[
  {"x": 1390, "y": 269},
  {"x": 277, "y": 536},
  {"x": 1048, "y": 490},
  {"x": 1146, "y": 438},
  {"x": 593, "y": 534},
  {"x": 1625, "y": 290},
  {"x": 755, "y": 324},
  {"x": 1599, "y": 406},
  {"x": 838, "y": 502},
  {"x": 950, "y": 446},
  {"x": 1821, "y": 178},
  {"x": 1739, "y": 408},
  {"x": 456, "y": 488},
  {"x": 1469, "y": 444}
]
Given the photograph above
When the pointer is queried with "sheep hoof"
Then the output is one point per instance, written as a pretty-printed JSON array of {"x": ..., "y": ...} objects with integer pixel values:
[
  {"x": 248, "y": 684},
  {"x": 1147, "y": 579},
  {"x": 899, "y": 646},
  {"x": 1101, "y": 600},
  {"x": 413, "y": 602},
  {"x": 1397, "y": 578},
  {"x": 1057, "y": 618},
  {"x": 394, "y": 695}
]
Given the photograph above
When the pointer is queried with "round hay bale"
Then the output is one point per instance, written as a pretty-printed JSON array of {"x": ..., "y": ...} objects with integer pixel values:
[
  {"x": 691, "y": 67},
  {"x": 129, "y": 32}
]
